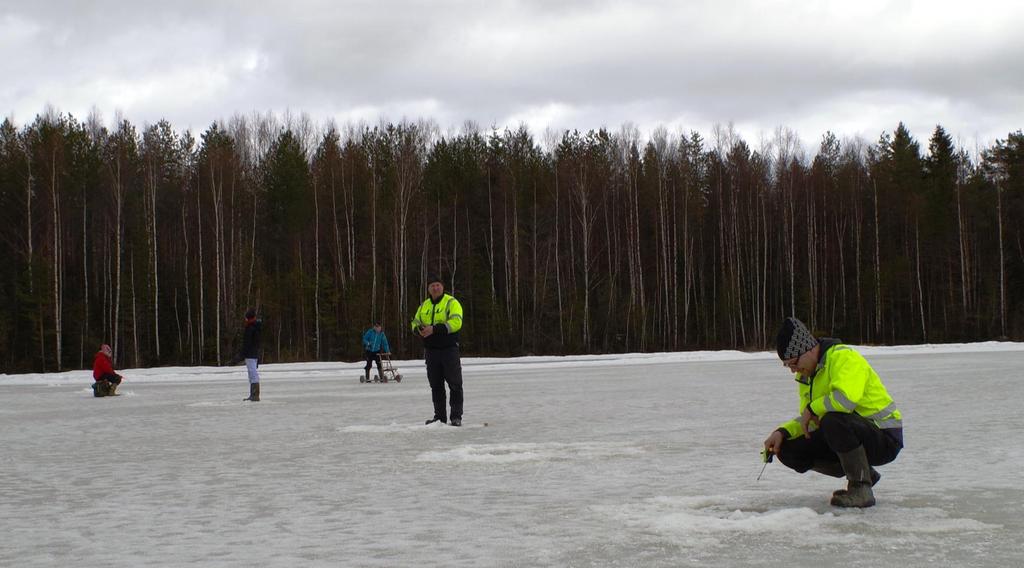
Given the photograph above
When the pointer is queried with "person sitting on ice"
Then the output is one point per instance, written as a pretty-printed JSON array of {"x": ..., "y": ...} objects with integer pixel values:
[
  {"x": 848, "y": 422},
  {"x": 105, "y": 380}
]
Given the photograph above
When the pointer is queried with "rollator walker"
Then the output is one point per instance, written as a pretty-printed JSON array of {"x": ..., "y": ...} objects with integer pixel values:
[{"x": 388, "y": 371}]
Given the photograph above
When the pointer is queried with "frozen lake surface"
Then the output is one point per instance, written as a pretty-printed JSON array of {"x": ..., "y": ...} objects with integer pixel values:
[{"x": 640, "y": 460}]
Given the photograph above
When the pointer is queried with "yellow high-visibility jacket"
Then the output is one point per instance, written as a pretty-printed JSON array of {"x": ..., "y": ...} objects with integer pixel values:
[
  {"x": 844, "y": 382},
  {"x": 446, "y": 317}
]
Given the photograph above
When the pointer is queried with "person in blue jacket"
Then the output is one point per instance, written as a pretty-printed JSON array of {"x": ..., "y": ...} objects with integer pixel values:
[{"x": 375, "y": 343}]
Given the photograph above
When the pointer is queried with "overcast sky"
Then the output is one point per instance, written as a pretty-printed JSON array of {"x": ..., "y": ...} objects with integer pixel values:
[{"x": 853, "y": 67}]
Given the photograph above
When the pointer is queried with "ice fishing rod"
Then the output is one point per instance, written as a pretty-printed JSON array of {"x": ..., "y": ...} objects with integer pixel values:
[{"x": 766, "y": 457}]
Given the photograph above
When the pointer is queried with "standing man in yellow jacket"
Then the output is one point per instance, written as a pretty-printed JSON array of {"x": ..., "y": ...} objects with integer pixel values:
[
  {"x": 438, "y": 321},
  {"x": 847, "y": 422}
]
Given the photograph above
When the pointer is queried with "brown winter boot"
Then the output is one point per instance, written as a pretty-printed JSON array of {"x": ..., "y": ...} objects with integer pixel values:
[
  {"x": 107, "y": 388},
  {"x": 858, "y": 475},
  {"x": 99, "y": 388}
]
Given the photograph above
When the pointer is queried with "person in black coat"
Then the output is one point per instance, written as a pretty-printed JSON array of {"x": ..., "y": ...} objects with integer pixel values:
[{"x": 251, "y": 352}]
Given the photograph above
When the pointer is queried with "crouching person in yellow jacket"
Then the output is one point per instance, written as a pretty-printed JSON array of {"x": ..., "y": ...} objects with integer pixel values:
[{"x": 847, "y": 423}]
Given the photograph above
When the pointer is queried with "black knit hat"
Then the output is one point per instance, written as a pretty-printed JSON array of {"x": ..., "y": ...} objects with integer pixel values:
[
  {"x": 250, "y": 313},
  {"x": 794, "y": 339},
  {"x": 434, "y": 277}
]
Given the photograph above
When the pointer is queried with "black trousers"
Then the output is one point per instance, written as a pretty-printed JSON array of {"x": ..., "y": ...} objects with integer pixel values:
[
  {"x": 370, "y": 358},
  {"x": 445, "y": 366},
  {"x": 838, "y": 433},
  {"x": 111, "y": 378}
]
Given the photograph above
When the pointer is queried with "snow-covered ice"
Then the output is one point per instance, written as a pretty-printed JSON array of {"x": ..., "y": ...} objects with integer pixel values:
[{"x": 619, "y": 460}]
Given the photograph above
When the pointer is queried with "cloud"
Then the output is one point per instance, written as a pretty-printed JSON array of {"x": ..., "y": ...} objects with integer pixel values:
[{"x": 856, "y": 68}]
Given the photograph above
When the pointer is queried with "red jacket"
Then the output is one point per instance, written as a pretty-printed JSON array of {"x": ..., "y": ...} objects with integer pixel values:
[{"x": 102, "y": 366}]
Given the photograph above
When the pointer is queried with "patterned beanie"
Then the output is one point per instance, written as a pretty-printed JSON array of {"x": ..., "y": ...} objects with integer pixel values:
[{"x": 794, "y": 339}]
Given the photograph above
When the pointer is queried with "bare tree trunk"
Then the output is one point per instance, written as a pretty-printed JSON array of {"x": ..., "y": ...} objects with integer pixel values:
[
  {"x": 29, "y": 248},
  {"x": 151, "y": 179},
  {"x": 585, "y": 216},
  {"x": 490, "y": 238},
  {"x": 628, "y": 140},
  {"x": 350, "y": 223},
  {"x": 920, "y": 289},
  {"x": 135, "y": 318},
  {"x": 634, "y": 189},
  {"x": 963, "y": 250},
  {"x": 675, "y": 266},
  {"x": 58, "y": 336},
  {"x": 316, "y": 263},
  {"x": 217, "y": 193},
  {"x": 726, "y": 266},
  {"x": 201, "y": 307},
  {"x": 858, "y": 235},
  {"x": 339, "y": 265},
  {"x": 373, "y": 239},
  {"x": 687, "y": 262},
  {"x": 507, "y": 256},
  {"x": 515, "y": 258},
  {"x": 177, "y": 322},
  {"x": 812, "y": 258},
  {"x": 188, "y": 293},
  {"x": 534, "y": 245},
  {"x": 118, "y": 208},
  {"x": 840, "y": 241},
  {"x": 455, "y": 245},
  {"x": 878, "y": 269},
  {"x": 413, "y": 148},
  {"x": 611, "y": 237},
  {"x": 737, "y": 261},
  {"x": 106, "y": 285},
  {"x": 790, "y": 231},
  {"x": 766, "y": 244},
  {"x": 252, "y": 254},
  {"x": 1002, "y": 262},
  {"x": 558, "y": 272},
  {"x": 664, "y": 249},
  {"x": 585, "y": 238},
  {"x": 85, "y": 273}
]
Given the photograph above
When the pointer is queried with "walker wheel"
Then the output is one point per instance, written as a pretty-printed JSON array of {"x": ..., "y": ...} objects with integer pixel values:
[{"x": 398, "y": 378}]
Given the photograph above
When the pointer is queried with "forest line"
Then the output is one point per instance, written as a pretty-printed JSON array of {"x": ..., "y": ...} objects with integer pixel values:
[{"x": 156, "y": 242}]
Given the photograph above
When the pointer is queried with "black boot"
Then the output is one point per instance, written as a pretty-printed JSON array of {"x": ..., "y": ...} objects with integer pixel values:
[
  {"x": 436, "y": 419},
  {"x": 254, "y": 392},
  {"x": 835, "y": 469},
  {"x": 858, "y": 475}
]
